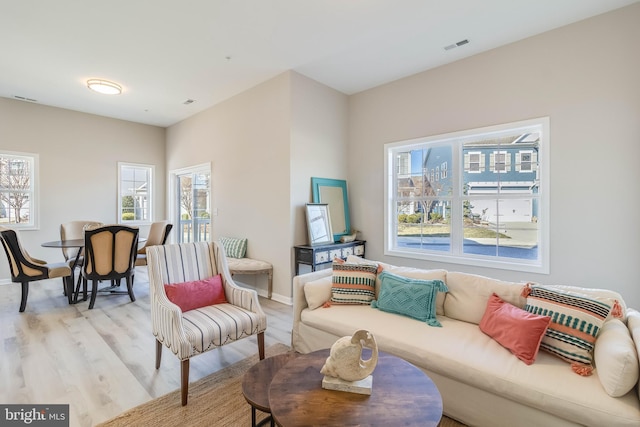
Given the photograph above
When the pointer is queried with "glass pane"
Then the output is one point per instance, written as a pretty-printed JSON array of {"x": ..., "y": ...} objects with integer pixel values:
[
  {"x": 413, "y": 231},
  {"x": 505, "y": 227},
  {"x": 15, "y": 208}
]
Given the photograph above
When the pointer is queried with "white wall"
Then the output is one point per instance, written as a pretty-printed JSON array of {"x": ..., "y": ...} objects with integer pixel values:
[
  {"x": 585, "y": 78},
  {"x": 246, "y": 139},
  {"x": 78, "y": 155},
  {"x": 264, "y": 145}
]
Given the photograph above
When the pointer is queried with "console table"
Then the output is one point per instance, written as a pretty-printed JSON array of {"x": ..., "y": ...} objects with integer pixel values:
[{"x": 319, "y": 255}]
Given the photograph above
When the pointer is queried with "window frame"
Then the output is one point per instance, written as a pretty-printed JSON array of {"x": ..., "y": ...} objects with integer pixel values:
[
  {"x": 151, "y": 192},
  {"x": 456, "y": 254},
  {"x": 34, "y": 191}
]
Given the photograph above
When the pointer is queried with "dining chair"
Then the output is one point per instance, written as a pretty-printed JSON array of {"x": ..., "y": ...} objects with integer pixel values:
[
  {"x": 26, "y": 269},
  {"x": 71, "y": 231},
  {"x": 110, "y": 252},
  {"x": 158, "y": 234},
  {"x": 205, "y": 327}
]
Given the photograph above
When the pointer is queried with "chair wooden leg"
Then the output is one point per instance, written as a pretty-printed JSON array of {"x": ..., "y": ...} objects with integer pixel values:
[
  {"x": 130, "y": 288},
  {"x": 25, "y": 294},
  {"x": 158, "y": 353},
  {"x": 94, "y": 292},
  {"x": 261, "y": 345},
  {"x": 184, "y": 385}
]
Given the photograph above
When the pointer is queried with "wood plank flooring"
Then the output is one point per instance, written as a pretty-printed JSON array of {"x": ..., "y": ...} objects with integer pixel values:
[{"x": 100, "y": 361}]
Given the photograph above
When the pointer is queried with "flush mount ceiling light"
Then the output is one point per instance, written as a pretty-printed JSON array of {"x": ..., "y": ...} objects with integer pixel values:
[{"x": 104, "y": 86}]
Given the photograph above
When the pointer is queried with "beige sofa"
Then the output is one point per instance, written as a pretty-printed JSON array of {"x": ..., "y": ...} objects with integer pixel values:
[{"x": 481, "y": 383}]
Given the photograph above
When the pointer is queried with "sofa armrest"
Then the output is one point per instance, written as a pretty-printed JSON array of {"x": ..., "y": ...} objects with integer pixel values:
[{"x": 299, "y": 300}]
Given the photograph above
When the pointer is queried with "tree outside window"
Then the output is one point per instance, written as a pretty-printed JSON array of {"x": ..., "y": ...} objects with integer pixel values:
[{"x": 17, "y": 189}]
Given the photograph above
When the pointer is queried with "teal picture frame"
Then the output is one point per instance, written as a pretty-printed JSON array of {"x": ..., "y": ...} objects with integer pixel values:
[{"x": 333, "y": 192}]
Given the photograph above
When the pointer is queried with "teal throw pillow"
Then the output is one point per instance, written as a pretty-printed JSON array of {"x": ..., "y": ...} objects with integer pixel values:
[
  {"x": 410, "y": 297},
  {"x": 234, "y": 248}
]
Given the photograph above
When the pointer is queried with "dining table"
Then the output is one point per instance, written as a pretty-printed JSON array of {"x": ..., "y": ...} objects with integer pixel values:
[
  {"x": 73, "y": 244},
  {"x": 68, "y": 244}
]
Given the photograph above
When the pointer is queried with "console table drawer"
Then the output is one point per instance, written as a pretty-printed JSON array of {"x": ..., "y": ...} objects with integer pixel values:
[{"x": 321, "y": 255}]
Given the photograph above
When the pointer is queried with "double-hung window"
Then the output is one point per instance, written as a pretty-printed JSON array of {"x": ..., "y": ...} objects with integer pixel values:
[
  {"x": 488, "y": 206},
  {"x": 135, "y": 193},
  {"x": 18, "y": 189}
]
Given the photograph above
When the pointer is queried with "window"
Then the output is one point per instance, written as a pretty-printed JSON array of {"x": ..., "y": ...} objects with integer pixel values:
[
  {"x": 476, "y": 197},
  {"x": 18, "y": 189},
  {"x": 135, "y": 193}
]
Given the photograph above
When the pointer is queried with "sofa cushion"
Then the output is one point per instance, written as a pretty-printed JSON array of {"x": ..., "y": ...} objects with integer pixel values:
[
  {"x": 468, "y": 295},
  {"x": 576, "y": 320},
  {"x": 233, "y": 247},
  {"x": 317, "y": 292},
  {"x": 410, "y": 297},
  {"x": 353, "y": 283},
  {"x": 414, "y": 273},
  {"x": 616, "y": 358},
  {"x": 196, "y": 294},
  {"x": 515, "y": 329}
]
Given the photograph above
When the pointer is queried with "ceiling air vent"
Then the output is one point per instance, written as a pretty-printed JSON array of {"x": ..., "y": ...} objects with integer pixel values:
[
  {"x": 22, "y": 98},
  {"x": 457, "y": 44}
]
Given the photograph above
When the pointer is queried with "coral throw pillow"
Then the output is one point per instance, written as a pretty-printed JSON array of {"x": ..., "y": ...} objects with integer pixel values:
[
  {"x": 513, "y": 328},
  {"x": 196, "y": 294}
]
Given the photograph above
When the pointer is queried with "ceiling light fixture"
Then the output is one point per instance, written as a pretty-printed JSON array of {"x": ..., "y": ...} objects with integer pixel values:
[{"x": 104, "y": 86}]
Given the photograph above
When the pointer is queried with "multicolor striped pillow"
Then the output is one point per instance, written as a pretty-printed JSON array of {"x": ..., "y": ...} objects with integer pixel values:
[
  {"x": 353, "y": 283},
  {"x": 576, "y": 320},
  {"x": 234, "y": 248}
]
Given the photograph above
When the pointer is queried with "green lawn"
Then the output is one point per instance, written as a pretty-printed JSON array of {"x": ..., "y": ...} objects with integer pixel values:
[{"x": 444, "y": 230}]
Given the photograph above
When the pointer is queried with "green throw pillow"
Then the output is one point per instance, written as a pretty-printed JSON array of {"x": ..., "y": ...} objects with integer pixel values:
[
  {"x": 234, "y": 248},
  {"x": 410, "y": 297}
]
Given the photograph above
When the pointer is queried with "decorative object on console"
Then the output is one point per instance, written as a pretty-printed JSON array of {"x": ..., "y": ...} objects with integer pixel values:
[
  {"x": 334, "y": 193},
  {"x": 349, "y": 238},
  {"x": 319, "y": 223},
  {"x": 345, "y": 370},
  {"x": 410, "y": 297}
]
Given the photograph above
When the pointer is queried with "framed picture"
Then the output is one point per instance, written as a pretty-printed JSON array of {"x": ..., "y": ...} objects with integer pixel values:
[{"x": 319, "y": 223}]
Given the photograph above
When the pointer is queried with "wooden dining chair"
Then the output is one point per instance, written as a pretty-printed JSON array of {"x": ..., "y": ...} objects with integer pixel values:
[
  {"x": 110, "y": 252},
  {"x": 73, "y": 230},
  {"x": 158, "y": 234},
  {"x": 26, "y": 269}
]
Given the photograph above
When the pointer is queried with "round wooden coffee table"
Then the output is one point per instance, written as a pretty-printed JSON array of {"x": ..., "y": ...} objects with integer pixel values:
[
  {"x": 256, "y": 382},
  {"x": 402, "y": 395}
]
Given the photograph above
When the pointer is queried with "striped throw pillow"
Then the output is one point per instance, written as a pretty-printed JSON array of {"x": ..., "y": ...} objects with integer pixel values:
[
  {"x": 353, "y": 283},
  {"x": 234, "y": 248},
  {"x": 576, "y": 320}
]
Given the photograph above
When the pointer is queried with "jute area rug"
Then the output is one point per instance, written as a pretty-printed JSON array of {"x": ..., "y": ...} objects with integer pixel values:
[{"x": 214, "y": 401}]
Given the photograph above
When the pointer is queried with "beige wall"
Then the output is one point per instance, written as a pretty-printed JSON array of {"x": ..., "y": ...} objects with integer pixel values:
[
  {"x": 264, "y": 145},
  {"x": 78, "y": 155},
  {"x": 585, "y": 78}
]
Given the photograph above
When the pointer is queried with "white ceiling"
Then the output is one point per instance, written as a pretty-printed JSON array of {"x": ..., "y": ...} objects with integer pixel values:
[{"x": 164, "y": 52}]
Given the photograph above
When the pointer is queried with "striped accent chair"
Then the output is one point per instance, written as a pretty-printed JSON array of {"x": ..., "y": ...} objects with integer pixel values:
[{"x": 197, "y": 331}]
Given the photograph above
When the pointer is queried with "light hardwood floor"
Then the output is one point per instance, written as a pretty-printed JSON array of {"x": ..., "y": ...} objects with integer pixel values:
[{"x": 100, "y": 361}]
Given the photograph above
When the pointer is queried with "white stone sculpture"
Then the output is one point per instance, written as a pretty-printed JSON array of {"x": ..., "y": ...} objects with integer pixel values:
[{"x": 345, "y": 369}]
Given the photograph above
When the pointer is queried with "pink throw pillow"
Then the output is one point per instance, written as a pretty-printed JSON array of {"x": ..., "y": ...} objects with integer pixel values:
[
  {"x": 513, "y": 328},
  {"x": 196, "y": 294}
]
